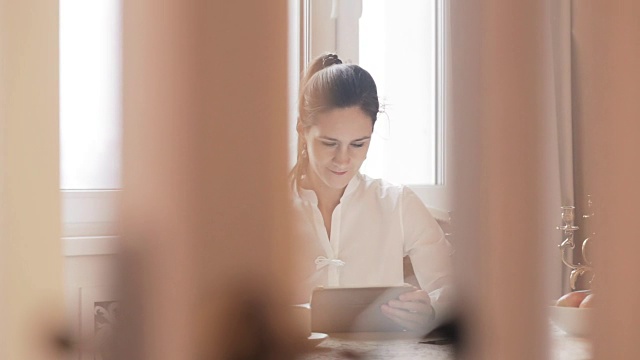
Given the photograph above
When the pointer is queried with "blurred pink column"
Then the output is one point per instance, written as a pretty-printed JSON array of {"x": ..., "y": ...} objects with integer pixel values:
[
  {"x": 500, "y": 108},
  {"x": 205, "y": 166},
  {"x": 607, "y": 83},
  {"x": 31, "y": 262}
]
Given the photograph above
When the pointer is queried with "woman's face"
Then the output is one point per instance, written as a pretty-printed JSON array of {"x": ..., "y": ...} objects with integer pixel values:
[{"x": 337, "y": 144}]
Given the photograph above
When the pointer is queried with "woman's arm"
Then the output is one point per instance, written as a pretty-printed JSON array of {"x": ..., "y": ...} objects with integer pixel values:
[{"x": 430, "y": 255}]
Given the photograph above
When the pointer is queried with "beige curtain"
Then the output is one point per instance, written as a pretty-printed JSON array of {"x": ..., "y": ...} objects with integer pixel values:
[
  {"x": 560, "y": 25},
  {"x": 562, "y": 170}
]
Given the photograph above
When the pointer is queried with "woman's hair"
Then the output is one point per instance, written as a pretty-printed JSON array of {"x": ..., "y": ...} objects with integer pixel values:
[{"x": 329, "y": 84}]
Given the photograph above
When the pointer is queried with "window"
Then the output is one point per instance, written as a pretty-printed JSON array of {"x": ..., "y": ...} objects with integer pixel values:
[
  {"x": 90, "y": 125},
  {"x": 401, "y": 43},
  {"x": 89, "y": 94}
]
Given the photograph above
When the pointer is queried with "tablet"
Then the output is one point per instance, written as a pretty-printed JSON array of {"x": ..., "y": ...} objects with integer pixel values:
[{"x": 353, "y": 309}]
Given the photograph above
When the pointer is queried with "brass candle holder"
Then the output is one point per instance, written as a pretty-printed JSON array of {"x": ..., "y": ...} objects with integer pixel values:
[{"x": 568, "y": 245}]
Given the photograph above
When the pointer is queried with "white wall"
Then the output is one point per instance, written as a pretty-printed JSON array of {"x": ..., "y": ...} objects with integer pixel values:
[{"x": 88, "y": 279}]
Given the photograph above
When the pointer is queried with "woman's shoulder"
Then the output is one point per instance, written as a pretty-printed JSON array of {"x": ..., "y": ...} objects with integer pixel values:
[
  {"x": 383, "y": 188},
  {"x": 393, "y": 193}
]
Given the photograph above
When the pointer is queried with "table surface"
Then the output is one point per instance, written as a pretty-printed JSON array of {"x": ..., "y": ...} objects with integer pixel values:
[{"x": 401, "y": 346}]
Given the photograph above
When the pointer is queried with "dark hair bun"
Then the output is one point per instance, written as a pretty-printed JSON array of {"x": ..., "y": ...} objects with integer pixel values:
[{"x": 330, "y": 59}]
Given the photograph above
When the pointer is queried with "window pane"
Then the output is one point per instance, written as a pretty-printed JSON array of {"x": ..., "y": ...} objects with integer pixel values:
[
  {"x": 397, "y": 45},
  {"x": 90, "y": 106}
]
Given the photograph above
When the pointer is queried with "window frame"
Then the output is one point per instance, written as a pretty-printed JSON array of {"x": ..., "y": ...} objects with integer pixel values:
[
  {"x": 90, "y": 216},
  {"x": 90, "y": 222}
]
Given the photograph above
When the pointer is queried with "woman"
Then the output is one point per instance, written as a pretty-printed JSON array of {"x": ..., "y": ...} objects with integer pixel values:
[{"x": 356, "y": 230}]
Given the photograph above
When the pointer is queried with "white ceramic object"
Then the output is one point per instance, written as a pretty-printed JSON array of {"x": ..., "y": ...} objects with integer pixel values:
[
  {"x": 301, "y": 316},
  {"x": 574, "y": 321},
  {"x": 316, "y": 338}
]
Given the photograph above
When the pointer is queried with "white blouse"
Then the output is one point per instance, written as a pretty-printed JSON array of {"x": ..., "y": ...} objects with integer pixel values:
[{"x": 373, "y": 227}]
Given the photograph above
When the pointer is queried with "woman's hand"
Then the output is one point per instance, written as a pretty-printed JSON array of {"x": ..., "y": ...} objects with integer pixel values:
[{"x": 412, "y": 310}]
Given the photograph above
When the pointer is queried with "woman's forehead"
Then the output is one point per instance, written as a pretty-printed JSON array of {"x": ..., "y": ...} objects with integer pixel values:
[{"x": 342, "y": 123}]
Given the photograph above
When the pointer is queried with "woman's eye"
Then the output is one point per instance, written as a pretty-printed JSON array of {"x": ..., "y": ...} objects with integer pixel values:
[
  {"x": 329, "y": 144},
  {"x": 357, "y": 145}
]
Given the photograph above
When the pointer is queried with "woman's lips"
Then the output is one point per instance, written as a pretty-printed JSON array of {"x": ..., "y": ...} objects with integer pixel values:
[{"x": 339, "y": 172}]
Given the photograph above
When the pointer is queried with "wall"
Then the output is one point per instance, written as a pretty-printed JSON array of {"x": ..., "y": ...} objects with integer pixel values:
[{"x": 88, "y": 279}]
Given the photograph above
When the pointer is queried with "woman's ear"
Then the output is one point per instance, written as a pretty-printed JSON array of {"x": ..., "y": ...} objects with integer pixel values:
[
  {"x": 299, "y": 128},
  {"x": 302, "y": 132}
]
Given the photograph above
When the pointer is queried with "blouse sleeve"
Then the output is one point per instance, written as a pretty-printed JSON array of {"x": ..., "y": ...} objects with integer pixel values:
[{"x": 429, "y": 250}]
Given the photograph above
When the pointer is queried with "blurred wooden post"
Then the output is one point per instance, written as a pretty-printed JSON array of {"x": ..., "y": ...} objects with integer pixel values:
[
  {"x": 607, "y": 52},
  {"x": 205, "y": 165},
  {"x": 500, "y": 108},
  {"x": 31, "y": 263}
]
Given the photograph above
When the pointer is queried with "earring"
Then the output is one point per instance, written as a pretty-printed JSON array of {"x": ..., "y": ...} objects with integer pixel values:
[{"x": 304, "y": 150}]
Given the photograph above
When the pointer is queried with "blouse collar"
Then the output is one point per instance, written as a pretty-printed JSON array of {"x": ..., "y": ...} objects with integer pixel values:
[{"x": 310, "y": 195}]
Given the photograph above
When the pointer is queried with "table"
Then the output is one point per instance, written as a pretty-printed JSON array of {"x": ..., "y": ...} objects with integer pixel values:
[
  {"x": 377, "y": 346},
  {"x": 405, "y": 346},
  {"x": 566, "y": 347}
]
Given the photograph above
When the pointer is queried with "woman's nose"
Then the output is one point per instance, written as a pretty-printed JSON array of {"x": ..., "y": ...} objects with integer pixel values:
[{"x": 342, "y": 157}]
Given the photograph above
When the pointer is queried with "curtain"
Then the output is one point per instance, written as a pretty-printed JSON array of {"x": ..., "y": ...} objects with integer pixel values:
[{"x": 560, "y": 26}]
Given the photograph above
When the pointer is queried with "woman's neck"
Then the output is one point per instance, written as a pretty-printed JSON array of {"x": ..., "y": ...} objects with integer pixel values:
[{"x": 328, "y": 198}]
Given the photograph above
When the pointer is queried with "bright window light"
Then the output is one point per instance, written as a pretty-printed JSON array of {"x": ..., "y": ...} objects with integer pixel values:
[
  {"x": 90, "y": 91},
  {"x": 397, "y": 45}
]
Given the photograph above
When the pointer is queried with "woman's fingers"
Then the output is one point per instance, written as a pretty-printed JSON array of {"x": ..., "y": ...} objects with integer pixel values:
[
  {"x": 412, "y": 310},
  {"x": 407, "y": 320},
  {"x": 414, "y": 301},
  {"x": 418, "y": 295},
  {"x": 410, "y": 306},
  {"x": 402, "y": 314}
]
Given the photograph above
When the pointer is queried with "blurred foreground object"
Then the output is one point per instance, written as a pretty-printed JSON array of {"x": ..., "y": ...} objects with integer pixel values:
[
  {"x": 31, "y": 263},
  {"x": 205, "y": 212},
  {"x": 608, "y": 84},
  {"x": 501, "y": 118}
]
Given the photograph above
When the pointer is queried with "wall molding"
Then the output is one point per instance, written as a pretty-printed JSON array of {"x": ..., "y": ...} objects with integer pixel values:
[{"x": 90, "y": 245}]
